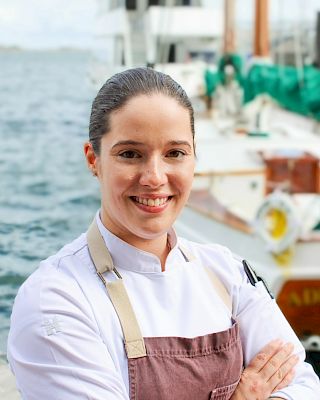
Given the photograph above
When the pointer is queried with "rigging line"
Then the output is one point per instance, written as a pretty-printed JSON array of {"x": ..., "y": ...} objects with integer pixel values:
[
  {"x": 298, "y": 50},
  {"x": 165, "y": 48},
  {"x": 282, "y": 39}
]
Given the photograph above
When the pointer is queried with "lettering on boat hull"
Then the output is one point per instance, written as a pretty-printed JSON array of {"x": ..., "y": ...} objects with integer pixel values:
[{"x": 299, "y": 300}]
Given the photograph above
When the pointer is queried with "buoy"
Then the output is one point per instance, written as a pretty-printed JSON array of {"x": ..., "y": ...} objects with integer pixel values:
[{"x": 277, "y": 222}]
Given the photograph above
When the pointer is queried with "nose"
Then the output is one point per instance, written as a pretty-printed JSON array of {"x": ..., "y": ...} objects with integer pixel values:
[{"x": 154, "y": 173}]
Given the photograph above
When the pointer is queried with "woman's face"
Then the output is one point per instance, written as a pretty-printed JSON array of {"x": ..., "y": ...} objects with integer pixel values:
[{"x": 145, "y": 167}]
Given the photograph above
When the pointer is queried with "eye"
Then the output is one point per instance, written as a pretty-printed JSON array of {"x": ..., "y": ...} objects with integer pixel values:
[
  {"x": 176, "y": 153},
  {"x": 129, "y": 154}
]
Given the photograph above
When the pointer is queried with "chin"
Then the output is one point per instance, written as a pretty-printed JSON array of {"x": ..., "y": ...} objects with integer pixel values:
[{"x": 151, "y": 234}]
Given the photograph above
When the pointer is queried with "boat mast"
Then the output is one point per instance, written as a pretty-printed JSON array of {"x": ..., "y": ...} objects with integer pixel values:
[
  {"x": 261, "y": 31},
  {"x": 317, "y": 44},
  {"x": 229, "y": 45}
]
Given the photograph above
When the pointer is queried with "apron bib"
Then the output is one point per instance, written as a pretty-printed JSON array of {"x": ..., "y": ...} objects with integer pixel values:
[{"x": 171, "y": 368}]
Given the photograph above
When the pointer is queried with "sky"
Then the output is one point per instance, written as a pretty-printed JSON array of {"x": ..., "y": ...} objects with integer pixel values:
[
  {"x": 64, "y": 23},
  {"x": 47, "y": 23}
]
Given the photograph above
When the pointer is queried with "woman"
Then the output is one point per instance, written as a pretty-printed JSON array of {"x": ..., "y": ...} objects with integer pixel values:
[{"x": 130, "y": 310}]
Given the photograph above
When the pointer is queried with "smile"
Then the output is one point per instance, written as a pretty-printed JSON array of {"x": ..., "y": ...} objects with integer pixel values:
[{"x": 157, "y": 202}]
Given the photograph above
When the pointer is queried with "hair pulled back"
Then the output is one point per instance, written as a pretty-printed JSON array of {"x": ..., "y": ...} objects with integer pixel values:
[{"x": 122, "y": 87}]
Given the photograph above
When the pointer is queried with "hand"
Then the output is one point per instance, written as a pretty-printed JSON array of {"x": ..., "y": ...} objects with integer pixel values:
[{"x": 270, "y": 370}]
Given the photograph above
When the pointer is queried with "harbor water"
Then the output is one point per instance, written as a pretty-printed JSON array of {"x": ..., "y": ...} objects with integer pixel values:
[{"x": 47, "y": 196}]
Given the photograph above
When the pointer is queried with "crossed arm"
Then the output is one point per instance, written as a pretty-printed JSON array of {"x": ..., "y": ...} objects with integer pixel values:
[{"x": 270, "y": 370}]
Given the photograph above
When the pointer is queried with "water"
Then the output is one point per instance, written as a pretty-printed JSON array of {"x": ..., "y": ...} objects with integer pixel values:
[{"x": 47, "y": 196}]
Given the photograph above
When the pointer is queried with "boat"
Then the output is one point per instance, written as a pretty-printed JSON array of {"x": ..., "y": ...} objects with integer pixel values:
[{"x": 260, "y": 198}]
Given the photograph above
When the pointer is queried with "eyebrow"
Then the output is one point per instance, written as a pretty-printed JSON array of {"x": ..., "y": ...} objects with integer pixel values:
[
  {"x": 126, "y": 142},
  {"x": 180, "y": 143},
  {"x": 135, "y": 143}
]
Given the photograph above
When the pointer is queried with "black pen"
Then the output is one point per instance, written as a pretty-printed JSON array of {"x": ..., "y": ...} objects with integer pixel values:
[{"x": 253, "y": 277}]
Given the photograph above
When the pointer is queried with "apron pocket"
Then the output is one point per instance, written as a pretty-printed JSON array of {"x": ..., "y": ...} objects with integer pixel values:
[{"x": 223, "y": 392}]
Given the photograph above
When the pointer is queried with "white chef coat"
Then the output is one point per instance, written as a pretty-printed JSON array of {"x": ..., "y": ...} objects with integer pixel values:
[{"x": 66, "y": 342}]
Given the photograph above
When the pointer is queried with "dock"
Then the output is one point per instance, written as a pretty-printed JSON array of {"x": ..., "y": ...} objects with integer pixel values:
[{"x": 8, "y": 390}]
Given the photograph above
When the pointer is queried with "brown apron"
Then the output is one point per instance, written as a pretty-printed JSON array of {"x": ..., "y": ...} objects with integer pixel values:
[{"x": 171, "y": 368}]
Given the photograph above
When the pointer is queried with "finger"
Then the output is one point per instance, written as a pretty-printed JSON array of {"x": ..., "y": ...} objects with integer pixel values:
[
  {"x": 264, "y": 355},
  {"x": 285, "y": 381},
  {"x": 284, "y": 370},
  {"x": 276, "y": 361}
]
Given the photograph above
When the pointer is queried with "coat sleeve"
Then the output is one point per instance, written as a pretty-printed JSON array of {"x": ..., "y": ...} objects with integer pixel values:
[
  {"x": 261, "y": 321},
  {"x": 54, "y": 346}
]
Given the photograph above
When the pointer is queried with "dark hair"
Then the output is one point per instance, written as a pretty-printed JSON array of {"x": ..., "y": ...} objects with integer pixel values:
[{"x": 122, "y": 87}]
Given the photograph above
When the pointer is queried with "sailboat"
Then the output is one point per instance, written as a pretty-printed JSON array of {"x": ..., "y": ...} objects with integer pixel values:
[{"x": 256, "y": 191}]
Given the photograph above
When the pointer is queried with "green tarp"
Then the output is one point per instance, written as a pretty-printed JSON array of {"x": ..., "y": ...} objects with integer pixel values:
[
  {"x": 213, "y": 79},
  {"x": 296, "y": 90}
]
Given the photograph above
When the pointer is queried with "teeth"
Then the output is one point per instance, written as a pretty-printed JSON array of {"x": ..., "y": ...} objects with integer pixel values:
[{"x": 151, "y": 202}]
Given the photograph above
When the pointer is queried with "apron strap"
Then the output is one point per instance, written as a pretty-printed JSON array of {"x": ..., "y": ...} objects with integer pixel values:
[
  {"x": 216, "y": 282},
  {"x": 133, "y": 340},
  {"x": 220, "y": 288},
  {"x": 98, "y": 250}
]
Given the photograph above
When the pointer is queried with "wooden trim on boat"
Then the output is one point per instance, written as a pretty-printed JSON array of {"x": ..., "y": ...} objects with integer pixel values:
[
  {"x": 310, "y": 239},
  {"x": 235, "y": 172},
  {"x": 204, "y": 203},
  {"x": 318, "y": 173}
]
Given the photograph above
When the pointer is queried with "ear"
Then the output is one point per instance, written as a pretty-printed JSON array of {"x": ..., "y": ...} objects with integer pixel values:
[{"x": 90, "y": 157}]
